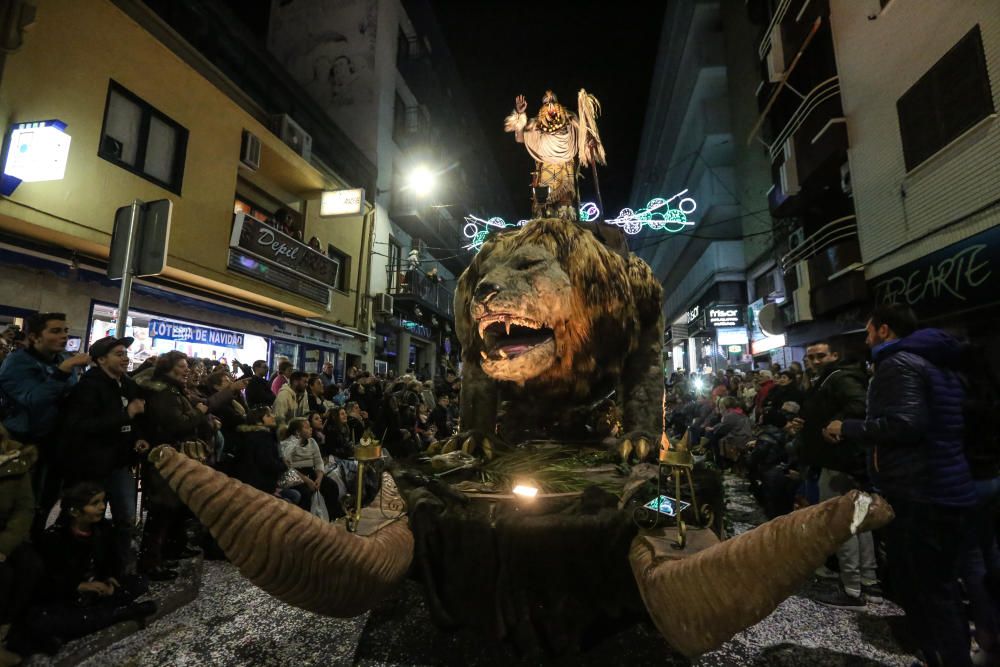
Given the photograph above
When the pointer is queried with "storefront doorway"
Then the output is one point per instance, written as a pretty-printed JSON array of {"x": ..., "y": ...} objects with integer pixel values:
[{"x": 156, "y": 334}]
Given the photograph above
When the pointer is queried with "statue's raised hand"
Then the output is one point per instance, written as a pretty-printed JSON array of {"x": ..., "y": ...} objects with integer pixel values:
[{"x": 520, "y": 104}]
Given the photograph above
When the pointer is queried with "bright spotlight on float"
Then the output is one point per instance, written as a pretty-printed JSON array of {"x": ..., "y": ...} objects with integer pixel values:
[{"x": 421, "y": 181}]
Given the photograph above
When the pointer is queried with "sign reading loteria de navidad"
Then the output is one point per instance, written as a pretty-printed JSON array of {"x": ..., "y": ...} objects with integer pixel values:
[{"x": 189, "y": 333}]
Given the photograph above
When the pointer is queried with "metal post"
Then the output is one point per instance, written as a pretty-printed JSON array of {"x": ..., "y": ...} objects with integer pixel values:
[{"x": 126, "y": 289}]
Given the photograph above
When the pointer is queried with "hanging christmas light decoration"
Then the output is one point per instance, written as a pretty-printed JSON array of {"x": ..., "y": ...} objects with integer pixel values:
[{"x": 657, "y": 215}]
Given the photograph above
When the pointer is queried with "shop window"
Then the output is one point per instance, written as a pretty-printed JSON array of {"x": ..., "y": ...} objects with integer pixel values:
[
  {"x": 140, "y": 139},
  {"x": 343, "y": 273},
  {"x": 949, "y": 99}
]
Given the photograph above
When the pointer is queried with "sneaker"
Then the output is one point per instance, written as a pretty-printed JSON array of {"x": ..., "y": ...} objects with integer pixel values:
[
  {"x": 839, "y": 599},
  {"x": 872, "y": 592},
  {"x": 823, "y": 572}
]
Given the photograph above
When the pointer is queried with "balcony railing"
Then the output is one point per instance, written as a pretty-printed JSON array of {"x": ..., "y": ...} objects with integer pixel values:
[
  {"x": 832, "y": 232},
  {"x": 415, "y": 284}
]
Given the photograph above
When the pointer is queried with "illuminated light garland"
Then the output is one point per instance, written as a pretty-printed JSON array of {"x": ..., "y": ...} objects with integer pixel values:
[{"x": 656, "y": 215}]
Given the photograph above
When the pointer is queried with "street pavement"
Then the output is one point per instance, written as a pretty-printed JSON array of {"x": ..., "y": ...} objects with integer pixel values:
[{"x": 234, "y": 623}]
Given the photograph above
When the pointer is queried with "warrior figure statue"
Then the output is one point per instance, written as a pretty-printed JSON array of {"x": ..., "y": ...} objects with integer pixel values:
[{"x": 556, "y": 138}]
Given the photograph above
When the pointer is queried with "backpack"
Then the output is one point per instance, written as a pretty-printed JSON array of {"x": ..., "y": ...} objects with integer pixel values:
[{"x": 981, "y": 414}]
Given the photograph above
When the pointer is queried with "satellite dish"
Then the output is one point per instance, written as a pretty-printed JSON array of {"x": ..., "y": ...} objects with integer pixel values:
[{"x": 770, "y": 320}]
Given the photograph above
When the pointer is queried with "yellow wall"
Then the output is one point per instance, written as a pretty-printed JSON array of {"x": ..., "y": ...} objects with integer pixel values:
[{"x": 63, "y": 72}]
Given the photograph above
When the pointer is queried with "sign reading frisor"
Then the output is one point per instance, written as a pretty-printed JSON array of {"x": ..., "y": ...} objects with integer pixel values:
[
  {"x": 268, "y": 244},
  {"x": 726, "y": 316},
  {"x": 957, "y": 277}
]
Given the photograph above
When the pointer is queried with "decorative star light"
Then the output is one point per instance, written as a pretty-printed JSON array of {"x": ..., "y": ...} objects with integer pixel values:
[{"x": 656, "y": 215}]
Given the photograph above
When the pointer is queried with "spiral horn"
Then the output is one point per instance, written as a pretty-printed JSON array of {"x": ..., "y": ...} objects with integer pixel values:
[
  {"x": 291, "y": 554},
  {"x": 700, "y": 601}
]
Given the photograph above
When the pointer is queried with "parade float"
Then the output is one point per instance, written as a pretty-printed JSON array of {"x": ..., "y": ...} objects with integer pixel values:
[{"x": 560, "y": 513}]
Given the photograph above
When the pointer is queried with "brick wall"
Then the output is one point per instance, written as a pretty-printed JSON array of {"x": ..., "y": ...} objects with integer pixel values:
[{"x": 878, "y": 60}]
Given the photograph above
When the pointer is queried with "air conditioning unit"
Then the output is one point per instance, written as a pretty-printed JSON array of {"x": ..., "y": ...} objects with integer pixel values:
[
  {"x": 800, "y": 302},
  {"x": 776, "y": 56},
  {"x": 250, "y": 151},
  {"x": 802, "y": 275},
  {"x": 292, "y": 134},
  {"x": 383, "y": 304},
  {"x": 789, "y": 169}
]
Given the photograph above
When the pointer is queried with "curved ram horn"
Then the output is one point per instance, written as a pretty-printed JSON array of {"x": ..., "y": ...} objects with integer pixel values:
[
  {"x": 701, "y": 600},
  {"x": 291, "y": 554}
]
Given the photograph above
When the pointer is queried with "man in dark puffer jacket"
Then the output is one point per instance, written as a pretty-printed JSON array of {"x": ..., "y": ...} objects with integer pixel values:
[{"x": 914, "y": 440}]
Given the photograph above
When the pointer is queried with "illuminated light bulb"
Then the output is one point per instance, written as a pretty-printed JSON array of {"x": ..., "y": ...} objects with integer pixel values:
[
  {"x": 525, "y": 491},
  {"x": 421, "y": 181}
]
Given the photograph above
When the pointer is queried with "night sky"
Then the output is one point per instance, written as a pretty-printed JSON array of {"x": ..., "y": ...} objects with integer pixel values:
[{"x": 505, "y": 48}]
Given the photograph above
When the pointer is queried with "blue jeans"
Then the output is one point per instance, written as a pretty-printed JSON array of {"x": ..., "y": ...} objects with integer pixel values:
[
  {"x": 981, "y": 565},
  {"x": 119, "y": 487},
  {"x": 924, "y": 546}
]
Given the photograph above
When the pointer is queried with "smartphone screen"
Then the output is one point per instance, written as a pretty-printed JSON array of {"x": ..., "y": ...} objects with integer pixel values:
[
  {"x": 666, "y": 505},
  {"x": 73, "y": 344}
]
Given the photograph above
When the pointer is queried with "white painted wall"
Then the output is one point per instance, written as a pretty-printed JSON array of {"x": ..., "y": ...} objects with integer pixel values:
[{"x": 878, "y": 61}]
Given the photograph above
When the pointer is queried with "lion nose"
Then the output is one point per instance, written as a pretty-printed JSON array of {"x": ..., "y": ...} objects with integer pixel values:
[{"x": 486, "y": 291}]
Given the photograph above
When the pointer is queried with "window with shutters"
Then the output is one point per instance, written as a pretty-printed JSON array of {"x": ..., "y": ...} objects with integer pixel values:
[
  {"x": 137, "y": 137},
  {"x": 948, "y": 100}
]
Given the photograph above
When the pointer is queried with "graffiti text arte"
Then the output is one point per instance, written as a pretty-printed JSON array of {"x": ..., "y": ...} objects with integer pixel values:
[{"x": 953, "y": 275}]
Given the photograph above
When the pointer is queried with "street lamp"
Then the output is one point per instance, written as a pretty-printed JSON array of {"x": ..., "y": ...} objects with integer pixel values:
[{"x": 421, "y": 181}]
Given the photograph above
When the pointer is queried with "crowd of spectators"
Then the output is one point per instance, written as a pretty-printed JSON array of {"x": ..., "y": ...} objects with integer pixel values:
[
  {"x": 916, "y": 420},
  {"x": 75, "y": 431}
]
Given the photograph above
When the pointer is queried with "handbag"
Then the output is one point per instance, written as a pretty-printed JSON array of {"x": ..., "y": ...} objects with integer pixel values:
[
  {"x": 289, "y": 478},
  {"x": 318, "y": 507}
]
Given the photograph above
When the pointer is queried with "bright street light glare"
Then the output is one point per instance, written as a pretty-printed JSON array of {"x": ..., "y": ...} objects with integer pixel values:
[{"x": 421, "y": 181}]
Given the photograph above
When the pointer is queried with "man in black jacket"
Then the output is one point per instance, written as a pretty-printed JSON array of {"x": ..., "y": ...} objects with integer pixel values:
[
  {"x": 839, "y": 393},
  {"x": 258, "y": 388},
  {"x": 914, "y": 438},
  {"x": 100, "y": 438}
]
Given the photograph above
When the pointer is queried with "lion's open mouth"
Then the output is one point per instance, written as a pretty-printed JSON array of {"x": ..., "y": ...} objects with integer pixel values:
[{"x": 508, "y": 336}]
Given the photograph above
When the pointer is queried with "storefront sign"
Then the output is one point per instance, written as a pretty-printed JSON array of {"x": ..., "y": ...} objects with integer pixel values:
[
  {"x": 732, "y": 336},
  {"x": 415, "y": 327},
  {"x": 189, "y": 333},
  {"x": 952, "y": 279},
  {"x": 277, "y": 276},
  {"x": 266, "y": 243},
  {"x": 37, "y": 151},
  {"x": 767, "y": 344},
  {"x": 725, "y": 316},
  {"x": 342, "y": 202},
  {"x": 693, "y": 314}
]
